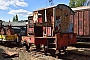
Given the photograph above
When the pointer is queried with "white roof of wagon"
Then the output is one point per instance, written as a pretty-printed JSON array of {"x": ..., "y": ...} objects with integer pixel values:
[{"x": 81, "y": 8}]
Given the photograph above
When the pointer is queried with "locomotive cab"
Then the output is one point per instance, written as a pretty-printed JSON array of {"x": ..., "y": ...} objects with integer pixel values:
[
  {"x": 55, "y": 19},
  {"x": 51, "y": 25}
]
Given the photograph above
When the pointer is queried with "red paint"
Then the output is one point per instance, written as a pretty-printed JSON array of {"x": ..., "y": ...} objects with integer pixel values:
[
  {"x": 34, "y": 40},
  {"x": 31, "y": 30},
  {"x": 72, "y": 39},
  {"x": 26, "y": 38},
  {"x": 65, "y": 39},
  {"x": 47, "y": 31},
  {"x": 40, "y": 41},
  {"x": 40, "y": 20},
  {"x": 62, "y": 40},
  {"x": 81, "y": 23}
]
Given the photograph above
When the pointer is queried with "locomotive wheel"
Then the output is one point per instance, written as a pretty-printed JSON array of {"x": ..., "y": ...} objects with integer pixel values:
[
  {"x": 38, "y": 46},
  {"x": 45, "y": 49},
  {"x": 64, "y": 49},
  {"x": 27, "y": 45}
]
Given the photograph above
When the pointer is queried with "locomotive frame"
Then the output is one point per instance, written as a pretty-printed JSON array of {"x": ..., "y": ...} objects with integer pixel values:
[{"x": 44, "y": 27}]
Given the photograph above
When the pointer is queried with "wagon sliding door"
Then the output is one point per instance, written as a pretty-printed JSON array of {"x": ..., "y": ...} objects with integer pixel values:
[
  {"x": 76, "y": 23},
  {"x": 86, "y": 23},
  {"x": 80, "y": 23}
]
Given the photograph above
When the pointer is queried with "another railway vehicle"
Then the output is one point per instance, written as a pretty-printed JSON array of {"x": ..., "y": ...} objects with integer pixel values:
[
  {"x": 51, "y": 27},
  {"x": 7, "y": 34},
  {"x": 82, "y": 23}
]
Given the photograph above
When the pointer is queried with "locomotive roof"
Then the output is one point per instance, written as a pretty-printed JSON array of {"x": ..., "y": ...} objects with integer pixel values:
[
  {"x": 32, "y": 14},
  {"x": 81, "y": 8},
  {"x": 54, "y": 6}
]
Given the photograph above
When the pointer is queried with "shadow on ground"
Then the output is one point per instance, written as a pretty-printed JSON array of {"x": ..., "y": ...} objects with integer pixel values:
[
  {"x": 11, "y": 44},
  {"x": 1, "y": 56},
  {"x": 82, "y": 45}
]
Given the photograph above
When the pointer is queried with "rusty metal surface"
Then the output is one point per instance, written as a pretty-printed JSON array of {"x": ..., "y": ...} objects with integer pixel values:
[
  {"x": 29, "y": 39},
  {"x": 81, "y": 23},
  {"x": 10, "y": 32},
  {"x": 65, "y": 39}
]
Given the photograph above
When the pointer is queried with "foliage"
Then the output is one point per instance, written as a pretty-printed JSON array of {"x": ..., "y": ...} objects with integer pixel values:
[
  {"x": 72, "y": 3},
  {"x": 88, "y": 3},
  {"x": 15, "y": 18},
  {"x": 76, "y": 3}
]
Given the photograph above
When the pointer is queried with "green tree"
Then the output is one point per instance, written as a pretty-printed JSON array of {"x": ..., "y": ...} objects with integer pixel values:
[
  {"x": 16, "y": 17},
  {"x": 76, "y": 3},
  {"x": 72, "y": 3}
]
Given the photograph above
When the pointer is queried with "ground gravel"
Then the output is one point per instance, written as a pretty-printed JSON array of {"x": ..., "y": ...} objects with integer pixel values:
[
  {"x": 40, "y": 55},
  {"x": 24, "y": 55}
]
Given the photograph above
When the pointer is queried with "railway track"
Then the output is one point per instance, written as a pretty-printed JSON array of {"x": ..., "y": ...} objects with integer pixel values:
[
  {"x": 73, "y": 54},
  {"x": 85, "y": 55}
]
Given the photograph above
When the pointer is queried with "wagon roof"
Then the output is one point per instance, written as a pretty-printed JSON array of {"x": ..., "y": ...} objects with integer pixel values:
[
  {"x": 81, "y": 8},
  {"x": 45, "y": 8},
  {"x": 32, "y": 14},
  {"x": 14, "y": 23}
]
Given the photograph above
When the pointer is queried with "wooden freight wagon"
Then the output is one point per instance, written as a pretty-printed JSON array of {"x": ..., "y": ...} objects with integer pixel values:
[
  {"x": 82, "y": 22},
  {"x": 51, "y": 25}
]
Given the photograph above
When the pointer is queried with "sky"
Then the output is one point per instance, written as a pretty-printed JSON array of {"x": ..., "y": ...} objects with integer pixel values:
[{"x": 9, "y": 8}]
